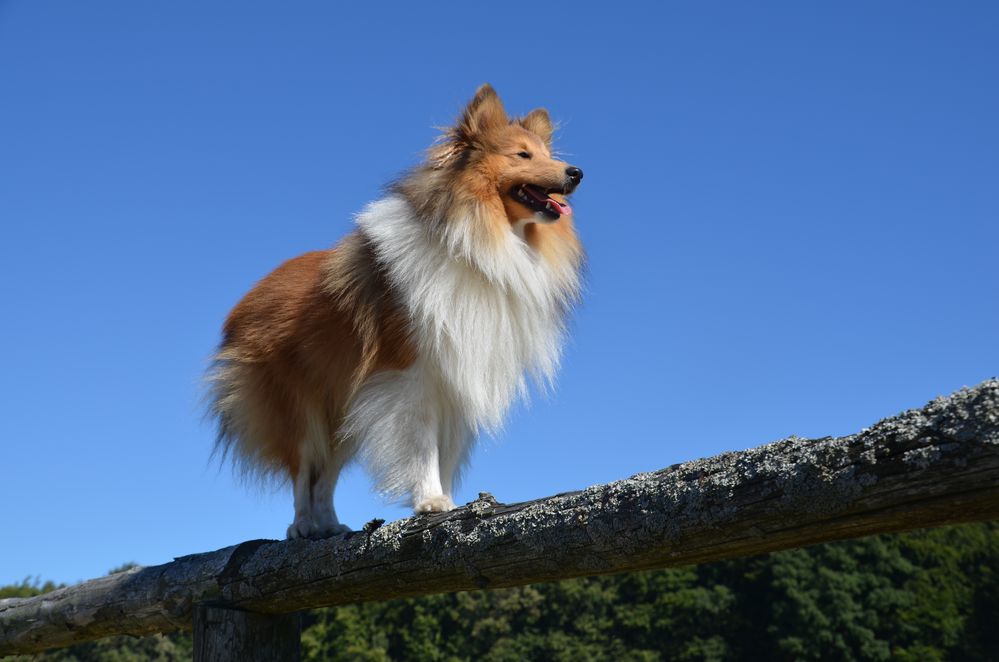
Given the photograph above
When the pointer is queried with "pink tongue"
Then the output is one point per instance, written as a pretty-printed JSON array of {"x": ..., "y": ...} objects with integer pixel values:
[{"x": 562, "y": 208}]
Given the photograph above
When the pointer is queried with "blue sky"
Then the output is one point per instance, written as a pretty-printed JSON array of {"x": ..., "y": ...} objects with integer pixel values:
[{"x": 790, "y": 211}]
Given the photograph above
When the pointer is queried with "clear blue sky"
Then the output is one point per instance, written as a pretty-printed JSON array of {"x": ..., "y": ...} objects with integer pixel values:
[{"x": 791, "y": 213}]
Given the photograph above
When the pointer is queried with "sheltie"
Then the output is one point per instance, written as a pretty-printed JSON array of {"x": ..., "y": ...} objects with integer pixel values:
[{"x": 416, "y": 332}]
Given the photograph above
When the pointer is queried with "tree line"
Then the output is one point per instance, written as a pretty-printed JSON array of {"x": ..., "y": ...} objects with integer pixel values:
[{"x": 923, "y": 595}]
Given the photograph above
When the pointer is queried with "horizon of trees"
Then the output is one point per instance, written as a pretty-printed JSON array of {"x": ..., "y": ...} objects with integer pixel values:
[{"x": 923, "y": 595}]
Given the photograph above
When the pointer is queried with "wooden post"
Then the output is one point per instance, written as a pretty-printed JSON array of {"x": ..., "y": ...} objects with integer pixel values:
[{"x": 224, "y": 635}]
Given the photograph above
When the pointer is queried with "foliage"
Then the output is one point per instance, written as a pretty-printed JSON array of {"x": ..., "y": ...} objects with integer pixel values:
[
  {"x": 924, "y": 595},
  {"x": 27, "y": 588}
]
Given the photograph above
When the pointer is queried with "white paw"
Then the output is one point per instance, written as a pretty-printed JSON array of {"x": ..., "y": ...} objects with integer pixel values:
[
  {"x": 435, "y": 504},
  {"x": 310, "y": 529}
]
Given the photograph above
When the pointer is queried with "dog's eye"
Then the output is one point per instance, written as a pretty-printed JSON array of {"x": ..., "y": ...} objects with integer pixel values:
[{"x": 524, "y": 155}]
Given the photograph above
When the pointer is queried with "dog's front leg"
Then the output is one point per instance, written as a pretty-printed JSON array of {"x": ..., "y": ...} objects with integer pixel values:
[
  {"x": 398, "y": 418},
  {"x": 424, "y": 462}
]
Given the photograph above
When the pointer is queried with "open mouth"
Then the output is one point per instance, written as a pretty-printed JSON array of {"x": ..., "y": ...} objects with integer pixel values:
[{"x": 537, "y": 198}]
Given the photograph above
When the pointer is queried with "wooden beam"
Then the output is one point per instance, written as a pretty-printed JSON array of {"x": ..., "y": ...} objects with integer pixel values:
[{"x": 926, "y": 467}]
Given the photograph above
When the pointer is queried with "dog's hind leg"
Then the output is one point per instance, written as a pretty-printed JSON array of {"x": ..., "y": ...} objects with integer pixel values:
[
  {"x": 303, "y": 526},
  {"x": 323, "y": 510},
  {"x": 319, "y": 468}
]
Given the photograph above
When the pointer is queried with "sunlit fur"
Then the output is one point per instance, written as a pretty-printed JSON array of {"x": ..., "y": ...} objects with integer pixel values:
[{"x": 411, "y": 336}]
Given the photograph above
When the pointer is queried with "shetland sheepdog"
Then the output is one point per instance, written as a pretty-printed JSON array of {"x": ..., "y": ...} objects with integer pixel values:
[{"x": 416, "y": 332}]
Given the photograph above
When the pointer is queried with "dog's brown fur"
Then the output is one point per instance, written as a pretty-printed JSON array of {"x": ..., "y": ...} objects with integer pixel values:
[{"x": 302, "y": 342}]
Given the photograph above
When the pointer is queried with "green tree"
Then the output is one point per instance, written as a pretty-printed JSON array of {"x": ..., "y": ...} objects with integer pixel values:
[{"x": 923, "y": 595}]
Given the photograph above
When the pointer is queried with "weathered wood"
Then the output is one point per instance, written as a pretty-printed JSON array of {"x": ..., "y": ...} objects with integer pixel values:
[
  {"x": 928, "y": 467},
  {"x": 232, "y": 635}
]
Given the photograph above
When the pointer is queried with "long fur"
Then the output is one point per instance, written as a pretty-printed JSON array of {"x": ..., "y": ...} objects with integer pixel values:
[{"x": 411, "y": 336}]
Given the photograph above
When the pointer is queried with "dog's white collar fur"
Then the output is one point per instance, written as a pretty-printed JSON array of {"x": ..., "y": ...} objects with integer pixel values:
[{"x": 483, "y": 314}]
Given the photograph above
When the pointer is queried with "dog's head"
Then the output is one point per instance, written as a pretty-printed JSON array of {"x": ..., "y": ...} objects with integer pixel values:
[{"x": 509, "y": 160}]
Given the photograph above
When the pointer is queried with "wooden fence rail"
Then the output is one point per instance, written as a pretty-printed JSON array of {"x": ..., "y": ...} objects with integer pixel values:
[{"x": 925, "y": 467}]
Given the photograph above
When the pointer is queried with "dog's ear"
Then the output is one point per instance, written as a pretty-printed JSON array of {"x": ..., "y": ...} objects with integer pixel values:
[
  {"x": 483, "y": 113},
  {"x": 538, "y": 122}
]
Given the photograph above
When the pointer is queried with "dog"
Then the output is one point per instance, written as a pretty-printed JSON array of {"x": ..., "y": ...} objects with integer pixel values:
[{"x": 416, "y": 332}]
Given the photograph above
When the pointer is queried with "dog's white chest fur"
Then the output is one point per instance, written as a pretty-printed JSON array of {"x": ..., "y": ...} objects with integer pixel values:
[{"x": 482, "y": 318}]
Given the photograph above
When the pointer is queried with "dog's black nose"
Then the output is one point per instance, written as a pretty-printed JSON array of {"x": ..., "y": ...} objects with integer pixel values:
[{"x": 575, "y": 175}]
